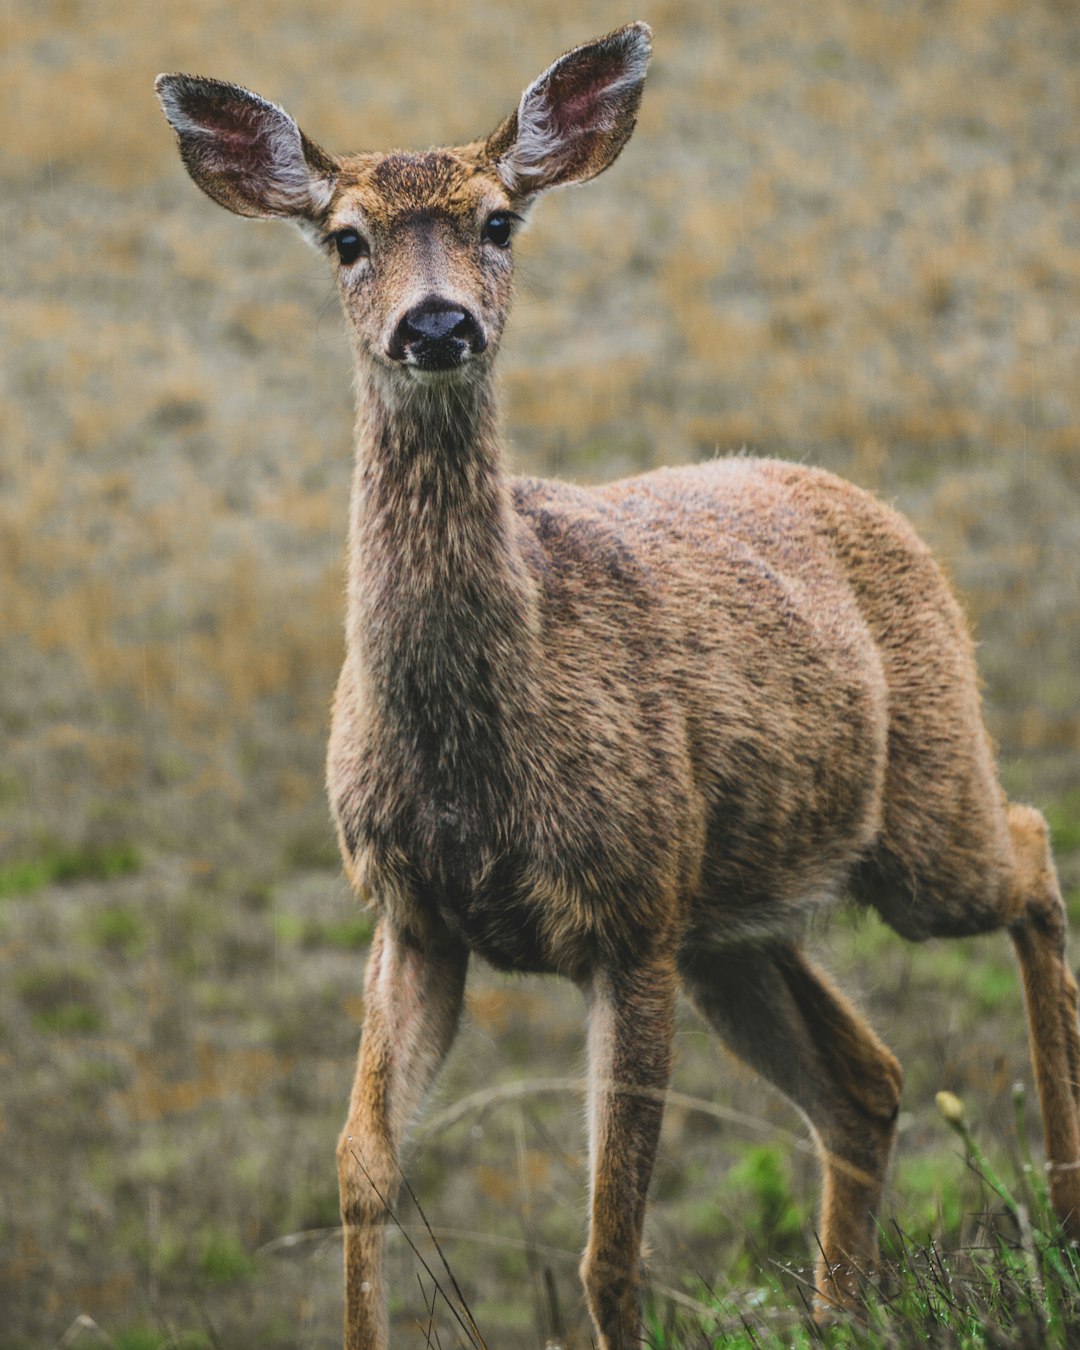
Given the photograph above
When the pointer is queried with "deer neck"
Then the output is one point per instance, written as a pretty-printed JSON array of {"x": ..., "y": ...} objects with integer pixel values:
[{"x": 442, "y": 619}]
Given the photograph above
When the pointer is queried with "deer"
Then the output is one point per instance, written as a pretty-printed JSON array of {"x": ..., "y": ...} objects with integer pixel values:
[{"x": 638, "y": 735}]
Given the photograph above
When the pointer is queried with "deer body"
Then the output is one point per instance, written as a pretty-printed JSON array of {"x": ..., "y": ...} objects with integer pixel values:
[
  {"x": 600, "y": 765},
  {"x": 635, "y": 734}
]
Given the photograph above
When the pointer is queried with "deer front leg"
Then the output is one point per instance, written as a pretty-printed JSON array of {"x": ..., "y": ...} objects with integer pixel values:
[
  {"x": 630, "y": 1028},
  {"x": 412, "y": 1000}
]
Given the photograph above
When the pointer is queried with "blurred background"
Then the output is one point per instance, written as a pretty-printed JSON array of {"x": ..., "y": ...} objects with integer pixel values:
[{"x": 845, "y": 232}]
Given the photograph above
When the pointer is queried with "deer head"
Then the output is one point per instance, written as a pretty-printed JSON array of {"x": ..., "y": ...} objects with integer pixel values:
[{"x": 420, "y": 243}]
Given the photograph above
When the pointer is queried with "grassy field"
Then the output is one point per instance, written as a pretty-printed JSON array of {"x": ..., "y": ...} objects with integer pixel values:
[{"x": 844, "y": 232}]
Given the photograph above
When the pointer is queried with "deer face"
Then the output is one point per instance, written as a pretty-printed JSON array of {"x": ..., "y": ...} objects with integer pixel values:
[
  {"x": 420, "y": 243},
  {"x": 421, "y": 248}
]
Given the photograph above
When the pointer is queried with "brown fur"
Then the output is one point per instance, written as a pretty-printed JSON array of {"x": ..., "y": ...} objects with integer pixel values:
[{"x": 636, "y": 735}]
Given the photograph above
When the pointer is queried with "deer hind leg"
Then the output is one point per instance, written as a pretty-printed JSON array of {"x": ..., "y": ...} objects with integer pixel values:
[
  {"x": 631, "y": 1014},
  {"x": 1038, "y": 930},
  {"x": 412, "y": 1000},
  {"x": 783, "y": 1017},
  {"x": 1000, "y": 874}
]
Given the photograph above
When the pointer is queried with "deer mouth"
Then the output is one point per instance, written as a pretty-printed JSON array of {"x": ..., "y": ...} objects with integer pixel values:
[{"x": 438, "y": 357}]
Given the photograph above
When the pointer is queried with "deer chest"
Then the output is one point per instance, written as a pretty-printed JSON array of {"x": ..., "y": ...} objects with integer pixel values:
[{"x": 548, "y": 896}]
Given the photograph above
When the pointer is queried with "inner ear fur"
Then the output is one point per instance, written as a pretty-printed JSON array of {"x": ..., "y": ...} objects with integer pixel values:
[
  {"x": 244, "y": 151},
  {"x": 573, "y": 120}
]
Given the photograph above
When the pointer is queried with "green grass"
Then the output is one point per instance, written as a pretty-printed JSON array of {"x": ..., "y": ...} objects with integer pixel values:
[
  {"x": 1063, "y": 817},
  {"x": 1003, "y": 1276},
  {"x": 118, "y": 930},
  {"x": 60, "y": 999},
  {"x": 70, "y": 1019},
  {"x": 983, "y": 980},
  {"x": 934, "y": 1198},
  {"x": 63, "y": 866},
  {"x": 153, "y": 1338},
  {"x": 140, "y": 1338},
  {"x": 1000, "y": 1292},
  {"x": 223, "y": 1258},
  {"x": 769, "y": 1211},
  {"x": 352, "y": 933}
]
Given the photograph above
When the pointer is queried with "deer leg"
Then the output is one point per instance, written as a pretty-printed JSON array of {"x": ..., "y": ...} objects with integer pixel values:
[
  {"x": 629, "y": 1042},
  {"x": 412, "y": 999},
  {"x": 1018, "y": 890},
  {"x": 1038, "y": 934},
  {"x": 784, "y": 1018}
]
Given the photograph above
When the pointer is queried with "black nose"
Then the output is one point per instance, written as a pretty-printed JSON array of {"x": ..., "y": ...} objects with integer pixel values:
[{"x": 437, "y": 335}]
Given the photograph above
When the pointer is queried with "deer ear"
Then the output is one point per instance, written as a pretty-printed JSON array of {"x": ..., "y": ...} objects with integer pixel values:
[
  {"x": 572, "y": 122},
  {"x": 246, "y": 153}
]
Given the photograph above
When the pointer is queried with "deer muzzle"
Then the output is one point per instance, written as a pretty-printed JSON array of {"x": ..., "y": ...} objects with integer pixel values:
[{"x": 436, "y": 335}]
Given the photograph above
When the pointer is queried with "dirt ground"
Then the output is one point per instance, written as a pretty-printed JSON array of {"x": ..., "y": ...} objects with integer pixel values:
[{"x": 844, "y": 232}]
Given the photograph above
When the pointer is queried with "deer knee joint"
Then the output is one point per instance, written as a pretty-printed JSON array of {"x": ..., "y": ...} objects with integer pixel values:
[
  {"x": 1041, "y": 914},
  {"x": 1036, "y": 896},
  {"x": 366, "y": 1186}
]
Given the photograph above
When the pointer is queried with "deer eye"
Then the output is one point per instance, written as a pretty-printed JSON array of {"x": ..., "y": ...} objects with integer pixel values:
[
  {"x": 499, "y": 229},
  {"x": 350, "y": 246}
]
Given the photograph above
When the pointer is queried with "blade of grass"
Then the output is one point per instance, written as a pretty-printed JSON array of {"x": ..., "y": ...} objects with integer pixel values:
[
  {"x": 479, "y": 1340},
  {"x": 415, "y": 1249}
]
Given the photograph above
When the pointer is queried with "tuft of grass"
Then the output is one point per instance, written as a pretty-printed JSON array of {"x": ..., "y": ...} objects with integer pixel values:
[
  {"x": 140, "y": 1338},
  {"x": 349, "y": 934},
  {"x": 20, "y": 878},
  {"x": 118, "y": 929},
  {"x": 151, "y": 1338},
  {"x": 64, "y": 866},
  {"x": 763, "y": 1177},
  {"x": 1012, "y": 1281},
  {"x": 223, "y": 1258},
  {"x": 352, "y": 933},
  {"x": 933, "y": 1200},
  {"x": 60, "y": 999},
  {"x": 70, "y": 1019},
  {"x": 1063, "y": 817},
  {"x": 986, "y": 1296}
]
